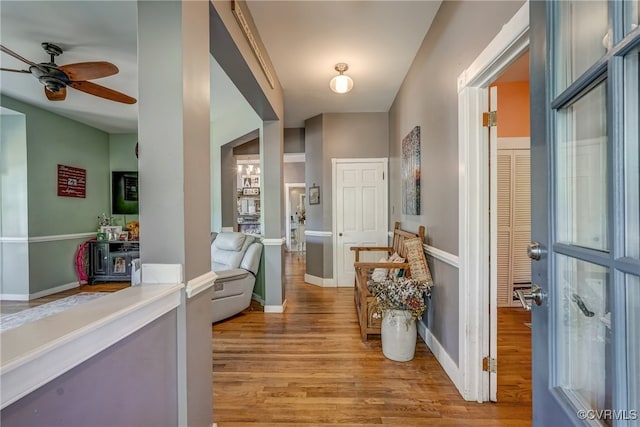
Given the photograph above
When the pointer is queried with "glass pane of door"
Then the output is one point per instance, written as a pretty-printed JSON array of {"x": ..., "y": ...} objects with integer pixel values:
[
  {"x": 631, "y": 15},
  {"x": 631, "y": 154},
  {"x": 582, "y": 172},
  {"x": 584, "y": 336},
  {"x": 633, "y": 346},
  {"x": 582, "y": 32}
]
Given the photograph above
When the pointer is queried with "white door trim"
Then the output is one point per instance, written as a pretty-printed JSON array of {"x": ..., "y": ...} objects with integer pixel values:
[
  {"x": 334, "y": 212},
  {"x": 473, "y": 219}
]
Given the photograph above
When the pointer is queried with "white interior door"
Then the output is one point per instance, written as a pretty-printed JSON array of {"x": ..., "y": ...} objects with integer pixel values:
[{"x": 360, "y": 211}]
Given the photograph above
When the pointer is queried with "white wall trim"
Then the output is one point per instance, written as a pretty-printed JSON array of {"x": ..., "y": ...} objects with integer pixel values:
[
  {"x": 51, "y": 291},
  {"x": 28, "y": 361},
  {"x": 273, "y": 242},
  {"x": 318, "y": 233},
  {"x": 323, "y": 282},
  {"x": 40, "y": 294},
  {"x": 200, "y": 284},
  {"x": 450, "y": 367},
  {"x": 514, "y": 143},
  {"x": 51, "y": 238},
  {"x": 275, "y": 308},
  {"x": 441, "y": 255},
  {"x": 510, "y": 42},
  {"x": 14, "y": 297},
  {"x": 293, "y": 157},
  {"x": 475, "y": 328}
]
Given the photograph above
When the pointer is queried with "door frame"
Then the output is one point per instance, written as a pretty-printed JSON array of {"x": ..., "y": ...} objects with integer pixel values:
[
  {"x": 477, "y": 285},
  {"x": 334, "y": 210},
  {"x": 287, "y": 188}
]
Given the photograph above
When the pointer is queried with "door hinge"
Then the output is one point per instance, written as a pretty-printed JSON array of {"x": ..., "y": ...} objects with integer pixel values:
[
  {"x": 489, "y": 364},
  {"x": 490, "y": 119}
]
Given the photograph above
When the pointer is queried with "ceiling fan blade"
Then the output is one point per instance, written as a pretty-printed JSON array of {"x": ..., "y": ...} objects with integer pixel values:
[
  {"x": 102, "y": 92},
  {"x": 16, "y": 71},
  {"x": 89, "y": 70},
  {"x": 60, "y": 95},
  {"x": 15, "y": 55}
]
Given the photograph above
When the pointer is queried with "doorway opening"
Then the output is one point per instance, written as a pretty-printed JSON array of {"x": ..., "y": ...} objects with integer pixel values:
[
  {"x": 477, "y": 376},
  {"x": 510, "y": 230},
  {"x": 295, "y": 210}
]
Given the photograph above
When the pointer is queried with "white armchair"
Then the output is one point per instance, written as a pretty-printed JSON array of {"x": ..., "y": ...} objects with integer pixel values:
[{"x": 235, "y": 258}]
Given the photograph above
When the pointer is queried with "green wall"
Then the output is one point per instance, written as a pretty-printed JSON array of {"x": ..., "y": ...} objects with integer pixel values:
[
  {"x": 51, "y": 140},
  {"x": 122, "y": 157},
  {"x": 14, "y": 261}
]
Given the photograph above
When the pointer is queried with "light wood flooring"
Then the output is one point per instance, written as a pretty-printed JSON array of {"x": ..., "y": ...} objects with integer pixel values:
[
  {"x": 9, "y": 307},
  {"x": 308, "y": 367}
]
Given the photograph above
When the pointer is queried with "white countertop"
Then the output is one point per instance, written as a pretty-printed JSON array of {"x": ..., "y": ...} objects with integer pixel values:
[{"x": 37, "y": 352}]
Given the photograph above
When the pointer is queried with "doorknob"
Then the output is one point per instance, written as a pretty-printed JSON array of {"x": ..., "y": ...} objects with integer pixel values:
[
  {"x": 536, "y": 296},
  {"x": 534, "y": 251},
  {"x": 340, "y": 234}
]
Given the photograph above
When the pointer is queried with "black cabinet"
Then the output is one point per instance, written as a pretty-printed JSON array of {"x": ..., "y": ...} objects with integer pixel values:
[{"x": 111, "y": 261}]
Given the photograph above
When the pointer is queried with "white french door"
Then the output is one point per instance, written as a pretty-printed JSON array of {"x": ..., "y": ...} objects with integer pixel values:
[{"x": 360, "y": 211}]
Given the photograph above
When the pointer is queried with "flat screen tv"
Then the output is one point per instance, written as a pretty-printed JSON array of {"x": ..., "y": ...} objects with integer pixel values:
[{"x": 124, "y": 193}]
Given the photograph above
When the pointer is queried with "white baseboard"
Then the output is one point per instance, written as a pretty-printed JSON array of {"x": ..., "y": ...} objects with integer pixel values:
[
  {"x": 450, "y": 367},
  {"x": 275, "y": 308},
  {"x": 14, "y": 297},
  {"x": 320, "y": 281},
  {"x": 40, "y": 294}
]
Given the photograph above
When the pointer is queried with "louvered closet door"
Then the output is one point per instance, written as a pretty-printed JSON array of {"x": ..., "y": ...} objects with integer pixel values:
[
  {"x": 503, "y": 263},
  {"x": 514, "y": 223},
  {"x": 521, "y": 223}
]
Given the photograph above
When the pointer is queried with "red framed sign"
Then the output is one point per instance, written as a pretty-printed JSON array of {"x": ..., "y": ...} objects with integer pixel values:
[{"x": 72, "y": 182}]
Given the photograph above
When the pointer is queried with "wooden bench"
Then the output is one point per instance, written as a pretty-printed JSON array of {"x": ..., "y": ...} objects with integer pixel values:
[{"x": 365, "y": 303}]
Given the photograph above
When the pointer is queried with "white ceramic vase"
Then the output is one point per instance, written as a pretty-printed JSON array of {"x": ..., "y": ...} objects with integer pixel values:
[{"x": 398, "y": 335}]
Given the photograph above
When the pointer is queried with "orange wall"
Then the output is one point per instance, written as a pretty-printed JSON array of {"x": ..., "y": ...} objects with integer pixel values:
[{"x": 513, "y": 109}]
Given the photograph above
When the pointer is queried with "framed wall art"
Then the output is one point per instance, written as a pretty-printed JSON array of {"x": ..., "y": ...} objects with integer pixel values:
[
  {"x": 411, "y": 172},
  {"x": 314, "y": 195}
]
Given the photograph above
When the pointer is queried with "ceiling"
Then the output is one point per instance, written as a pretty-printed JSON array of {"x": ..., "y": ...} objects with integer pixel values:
[
  {"x": 304, "y": 39},
  {"x": 86, "y": 31}
]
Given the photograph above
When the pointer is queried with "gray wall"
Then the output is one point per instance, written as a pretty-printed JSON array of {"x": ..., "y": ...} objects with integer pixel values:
[
  {"x": 131, "y": 383},
  {"x": 340, "y": 136},
  {"x": 294, "y": 140},
  {"x": 293, "y": 172},
  {"x": 428, "y": 98}
]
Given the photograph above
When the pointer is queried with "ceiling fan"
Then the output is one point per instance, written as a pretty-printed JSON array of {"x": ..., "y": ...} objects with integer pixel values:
[{"x": 56, "y": 78}]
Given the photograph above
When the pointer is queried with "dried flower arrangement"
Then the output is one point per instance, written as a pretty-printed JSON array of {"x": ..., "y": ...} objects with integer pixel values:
[{"x": 401, "y": 293}]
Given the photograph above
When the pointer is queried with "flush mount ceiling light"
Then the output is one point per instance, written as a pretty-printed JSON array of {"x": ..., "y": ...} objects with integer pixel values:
[{"x": 341, "y": 83}]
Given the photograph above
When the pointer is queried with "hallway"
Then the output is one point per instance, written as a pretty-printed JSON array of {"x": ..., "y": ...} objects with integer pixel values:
[{"x": 309, "y": 367}]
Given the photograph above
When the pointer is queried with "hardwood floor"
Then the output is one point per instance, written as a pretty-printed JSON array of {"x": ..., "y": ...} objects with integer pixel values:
[
  {"x": 308, "y": 367},
  {"x": 9, "y": 307}
]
